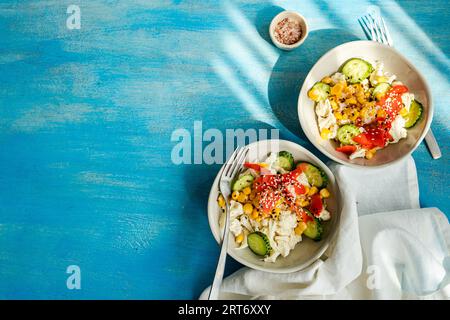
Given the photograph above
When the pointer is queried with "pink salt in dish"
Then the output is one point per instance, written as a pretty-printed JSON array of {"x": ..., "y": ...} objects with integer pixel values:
[{"x": 288, "y": 31}]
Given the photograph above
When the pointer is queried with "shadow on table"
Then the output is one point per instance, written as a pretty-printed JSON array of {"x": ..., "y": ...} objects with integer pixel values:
[{"x": 291, "y": 70}]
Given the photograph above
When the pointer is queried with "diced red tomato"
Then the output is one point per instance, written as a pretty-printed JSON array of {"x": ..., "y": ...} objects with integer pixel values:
[
  {"x": 316, "y": 205},
  {"x": 362, "y": 139},
  {"x": 299, "y": 189},
  {"x": 347, "y": 149},
  {"x": 253, "y": 166},
  {"x": 305, "y": 217},
  {"x": 399, "y": 89}
]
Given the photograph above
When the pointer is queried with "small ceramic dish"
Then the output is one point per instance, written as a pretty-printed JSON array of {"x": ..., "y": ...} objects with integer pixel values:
[{"x": 290, "y": 15}]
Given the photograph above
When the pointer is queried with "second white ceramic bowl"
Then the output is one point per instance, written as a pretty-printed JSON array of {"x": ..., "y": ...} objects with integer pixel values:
[
  {"x": 305, "y": 252},
  {"x": 396, "y": 64}
]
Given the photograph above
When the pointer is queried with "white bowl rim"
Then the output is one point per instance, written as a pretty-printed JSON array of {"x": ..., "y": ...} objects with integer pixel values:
[
  {"x": 326, "y": 242},
  {"x": 416, "y": 144}
]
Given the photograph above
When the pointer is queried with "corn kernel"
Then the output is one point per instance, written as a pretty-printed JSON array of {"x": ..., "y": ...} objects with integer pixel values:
[
  {"x": 252, "y": 196},
  {"x": 325, "y": 193},
  {"x": 369, "y": 155},
  {"x": 277, "y": 210},
  {"x": 313, "y": 191},
  {"x": 301, "y": 226},
  {"x": 306, "y": 189},
  {"x": 336, "y": 90},
  {"x": 240, "y": 238},
  {"x": 334, "y": 105},
  {"x": 248, "y": 208},
  {"x": 381, "y": 113},
  {"x": 255, "y": 202},
  {"x": 255, "y": 214},
  {"x": 338, "y": 115},
  {"x": 313, "y": 94},
  {"x": 325, "y": 133},
  {"x": 327, "y": 80},
  {"x": 242, "y": 198},
  {"x": 247, "y": 191},
  {"x": 345, "y": 117},
  {"x": 221, "y": 201},
  {"x": 235, "y": 195},
  {"x": 351, "y": 100},
  {"x": 304, "y": 203}
]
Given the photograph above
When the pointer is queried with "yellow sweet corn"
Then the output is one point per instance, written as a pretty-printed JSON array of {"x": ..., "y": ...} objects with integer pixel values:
[
  {"x": 247, "y": 190},
  {"x": 336, "y": 90},
  {"x": 325, "y": 193},
  {"x": 381, "y": 113},
  {"x": 327, "y": 80},
  {"x": 313, "y": 94},
  {"x": 255, "y": 214},
  {"x": 304, "y": 203},
  {"x": 242, "y": 198},
  {"x": 338, "y": 115},
  {"x": 350, "y": 101},
  {"x": 235, "y": 195},
  {"x": 240, "y": 238},
  {"x": 325, "y": 133},
  {"x": 333, "y": 104},
  {"x": 301, "y": 226},
  {"x": 248, "y": 208},
  {"x": 306, "y": 189},
  {"x": 312, "y": 191},
  {"x": 369, "y": 155},
  {"x": 221, "y": 201}
]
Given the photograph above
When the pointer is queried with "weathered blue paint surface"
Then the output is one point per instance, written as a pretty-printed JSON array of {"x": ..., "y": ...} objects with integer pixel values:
[{"x": 86, "y": 118}]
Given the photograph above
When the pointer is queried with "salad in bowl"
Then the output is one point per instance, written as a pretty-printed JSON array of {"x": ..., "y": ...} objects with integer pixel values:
[
  {"x": 278, "y": 225},
  {"x": 363, "y": 108}
]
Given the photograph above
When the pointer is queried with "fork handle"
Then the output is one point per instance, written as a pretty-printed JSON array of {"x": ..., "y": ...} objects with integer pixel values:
[
  {"x": 215, "y": 287},
  {"x": 432, "y": 145}
]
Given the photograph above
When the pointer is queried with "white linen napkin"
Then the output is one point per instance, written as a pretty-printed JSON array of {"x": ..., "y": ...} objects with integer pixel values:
[{"x": 394, "y": 249}]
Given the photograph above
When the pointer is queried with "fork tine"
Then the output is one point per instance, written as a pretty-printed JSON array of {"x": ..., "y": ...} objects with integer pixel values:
[
  {"x": 365, "y": 28},
  {"x": 230, "y": 161},
  {"x": 238, "y": 163},
  {"x": 381, "y": 29},
  {"x": 375, "y": 27},
  {"x": 388, "y": 35},
  {"x": 369, "y": 25}
]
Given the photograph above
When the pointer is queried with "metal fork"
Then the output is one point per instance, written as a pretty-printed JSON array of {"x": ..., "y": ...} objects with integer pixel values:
[
  {"x": 231, "y": 168},
  {"x": 376, "y": 30}
]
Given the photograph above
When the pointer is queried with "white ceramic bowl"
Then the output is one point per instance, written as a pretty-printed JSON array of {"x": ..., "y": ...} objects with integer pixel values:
[
  {"x": 305, "y": 252},
  {"x": 294, "y": 16},
  {"x": 395, "y": 63}
]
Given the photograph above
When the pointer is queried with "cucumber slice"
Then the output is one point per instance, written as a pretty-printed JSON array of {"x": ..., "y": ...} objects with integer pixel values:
[
  {"x": 316, "y": 176},
  {"x": 285, "y": 160},
  {"x": 314, "y": 228},
  {"x": 356, "y": 70},
  {"x": 414, "y": 114},
  {"x": 259, "y": 243},
  {"x": 319, "y": 91},
  {"x": 346, "y": 133},
  {"x": 242, "y": 182},
  {"x": 380, "y": 90}
]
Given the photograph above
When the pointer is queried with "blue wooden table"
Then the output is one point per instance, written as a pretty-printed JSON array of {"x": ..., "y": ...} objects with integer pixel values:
[{"x": 87, "y": 116}]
